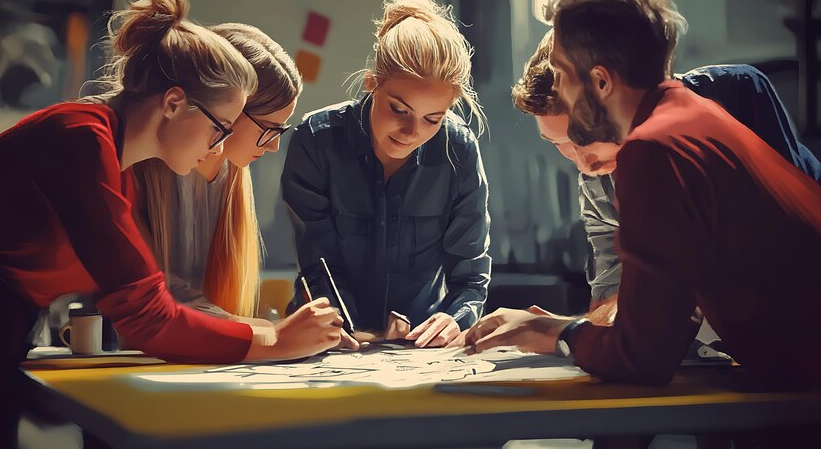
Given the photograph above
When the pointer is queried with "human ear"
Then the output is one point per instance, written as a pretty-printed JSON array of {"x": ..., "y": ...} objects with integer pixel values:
[
  {"x": 370, "y": 82},
  {"x": 602, "y": 79},
  {"x": 174, "y": 101}
]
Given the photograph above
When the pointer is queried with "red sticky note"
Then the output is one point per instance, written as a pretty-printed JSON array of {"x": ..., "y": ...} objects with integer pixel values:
[
  {"x": 316, "y": 29},
  {"x": 308, "y": 65}
]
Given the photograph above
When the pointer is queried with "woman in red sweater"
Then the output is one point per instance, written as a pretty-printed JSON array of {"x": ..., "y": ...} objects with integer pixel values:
[{"x": 172, "y": 91}]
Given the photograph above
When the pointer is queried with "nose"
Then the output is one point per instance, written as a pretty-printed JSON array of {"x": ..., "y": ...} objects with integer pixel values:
[
  {"x": 217, "y": 150},
  {"x": 409, "y": 129}
]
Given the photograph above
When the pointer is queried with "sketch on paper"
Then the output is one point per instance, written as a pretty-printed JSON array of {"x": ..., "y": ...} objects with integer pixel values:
[{"x": 386, "y": 365}]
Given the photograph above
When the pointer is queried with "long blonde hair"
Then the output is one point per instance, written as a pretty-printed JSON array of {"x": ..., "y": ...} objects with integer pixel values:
[
  {"x": 420, "y": 38},
  {"x": 232, "y": 271}
]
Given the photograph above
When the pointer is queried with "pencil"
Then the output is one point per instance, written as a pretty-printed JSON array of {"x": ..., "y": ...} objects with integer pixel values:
[
  {"x": 338, "y": 297},
  {"x": 305, "y": 290}
]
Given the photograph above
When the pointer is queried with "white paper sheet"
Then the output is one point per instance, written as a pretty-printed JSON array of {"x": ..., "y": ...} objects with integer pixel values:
[{"x": 389, "y": 366}]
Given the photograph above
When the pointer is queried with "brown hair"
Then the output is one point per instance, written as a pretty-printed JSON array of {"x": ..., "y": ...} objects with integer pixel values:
[
  {"x": 154, "y": 47},
  {"x": 533, "y": 93},
  {"x": 635, "y": 38},
  {"x": 279, "y": 81},
  {"x": 420, "y": 38}
]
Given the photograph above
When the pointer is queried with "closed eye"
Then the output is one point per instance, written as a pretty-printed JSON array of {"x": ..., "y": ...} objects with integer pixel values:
[{"x": 398, "y": 111}]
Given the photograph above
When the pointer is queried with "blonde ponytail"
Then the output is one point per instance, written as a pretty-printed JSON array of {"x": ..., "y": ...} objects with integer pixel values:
[{"x": 154, "y": 47}]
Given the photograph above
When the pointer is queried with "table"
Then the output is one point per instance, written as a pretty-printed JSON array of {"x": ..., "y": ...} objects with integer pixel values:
[{"x": 93, "y": 393}]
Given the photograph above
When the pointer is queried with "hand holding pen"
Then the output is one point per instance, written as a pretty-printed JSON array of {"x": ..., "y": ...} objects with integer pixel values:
[
  {"x": 346, "y": 341},
  {"x": 313, "y": 328}
]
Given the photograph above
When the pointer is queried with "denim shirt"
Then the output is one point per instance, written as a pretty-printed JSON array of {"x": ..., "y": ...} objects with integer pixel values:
[
  {"x": 747, "y": 95},
  {"x": 416, "y": 245}
]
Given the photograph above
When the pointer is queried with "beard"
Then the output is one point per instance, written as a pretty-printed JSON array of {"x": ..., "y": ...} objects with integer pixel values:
[{"x": 589, "y": 122}]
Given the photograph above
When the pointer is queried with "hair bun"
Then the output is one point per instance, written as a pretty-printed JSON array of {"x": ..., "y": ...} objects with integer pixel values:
[
  {"x": 146, "y": 21},
  {"x": 398, "y": 10}
]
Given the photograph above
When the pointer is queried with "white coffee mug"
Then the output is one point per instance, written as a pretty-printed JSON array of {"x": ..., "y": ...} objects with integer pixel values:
[{"x": 85, "y": 333}]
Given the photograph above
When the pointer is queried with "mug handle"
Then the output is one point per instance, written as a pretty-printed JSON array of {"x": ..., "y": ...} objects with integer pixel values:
[{"x": 63, "y": 335}]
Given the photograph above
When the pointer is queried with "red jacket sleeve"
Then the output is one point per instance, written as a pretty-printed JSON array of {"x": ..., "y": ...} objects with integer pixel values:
[
  {"x": 658, "y": 249},
  {"x": 81, "y": 180}
]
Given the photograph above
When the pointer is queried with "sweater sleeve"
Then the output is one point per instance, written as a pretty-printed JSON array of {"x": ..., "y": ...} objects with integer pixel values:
[
  {"x": 657, "y": 241},
  {"x": 82, "y": 183}
]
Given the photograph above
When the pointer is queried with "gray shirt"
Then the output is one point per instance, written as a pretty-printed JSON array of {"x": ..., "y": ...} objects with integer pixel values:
[
  {"x": 601, "y": 221},
  {"x": 195, "y": 208}
]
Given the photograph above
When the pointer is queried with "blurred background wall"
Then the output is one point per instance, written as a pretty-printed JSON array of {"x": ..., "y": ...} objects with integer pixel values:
[{"x": 47, "y": 50}]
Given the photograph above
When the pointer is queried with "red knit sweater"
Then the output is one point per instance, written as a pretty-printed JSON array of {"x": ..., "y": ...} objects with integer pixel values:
[{"x": 67, "y": 227}]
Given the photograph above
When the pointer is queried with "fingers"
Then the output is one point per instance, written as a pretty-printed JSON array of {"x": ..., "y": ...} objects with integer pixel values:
[
  {"x": 347, "y": 342},
  {"x": 437, "y": 326},
  {"x": 537, "y": 310},
  {"x": 311, "y": 307},
  {"x": 448, "y": 334},
  {"x": 500, "y": 337},
  {"x": 418, "y": 330},
  {"x": 459, "y": 341},
  {"x": 484, "y": 327},
  {"x": 320, "y": 303}
]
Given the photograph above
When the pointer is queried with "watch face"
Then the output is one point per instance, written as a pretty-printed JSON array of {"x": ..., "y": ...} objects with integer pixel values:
[{"x": 562, "y": 348}]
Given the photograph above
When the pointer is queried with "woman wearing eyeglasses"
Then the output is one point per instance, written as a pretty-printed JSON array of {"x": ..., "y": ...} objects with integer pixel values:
[
  {"x": 202, "y": 226},
  {"x": 173, "y": 92}
]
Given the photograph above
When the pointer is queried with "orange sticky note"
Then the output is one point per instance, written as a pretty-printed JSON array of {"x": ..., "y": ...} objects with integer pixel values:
[{"x": 308, "y": 65}]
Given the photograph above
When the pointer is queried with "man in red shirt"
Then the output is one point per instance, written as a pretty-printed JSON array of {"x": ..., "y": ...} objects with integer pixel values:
[{"x": 711, "y": 216}]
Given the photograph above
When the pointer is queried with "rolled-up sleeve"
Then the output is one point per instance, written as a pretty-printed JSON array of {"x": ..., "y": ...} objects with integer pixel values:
[{"x": 653, "y": 328}]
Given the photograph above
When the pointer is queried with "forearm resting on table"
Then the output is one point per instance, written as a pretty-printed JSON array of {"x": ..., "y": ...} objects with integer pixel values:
[
  {"x": 259, "y": 322},
  {"x": 604, "y": 313},
  {"x": 262, "y": 343}
]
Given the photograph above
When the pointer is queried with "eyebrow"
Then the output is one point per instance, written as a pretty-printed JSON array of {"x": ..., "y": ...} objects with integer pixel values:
[{"x": 399, "y": 99}]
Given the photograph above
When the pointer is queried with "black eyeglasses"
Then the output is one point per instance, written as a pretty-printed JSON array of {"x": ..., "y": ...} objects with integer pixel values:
[
  {"x": 224, "y": 132},
  {"x": 268, "y": 133}
]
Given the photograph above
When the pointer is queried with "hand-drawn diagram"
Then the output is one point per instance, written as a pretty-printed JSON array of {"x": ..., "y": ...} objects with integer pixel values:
[{"x": 386, "y": 365}]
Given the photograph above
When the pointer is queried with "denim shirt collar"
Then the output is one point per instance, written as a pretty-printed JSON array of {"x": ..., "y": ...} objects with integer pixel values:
[{"x": 360, "y": 129}]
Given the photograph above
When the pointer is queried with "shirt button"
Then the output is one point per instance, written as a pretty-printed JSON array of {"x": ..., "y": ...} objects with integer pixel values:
[
  {"x": 393, "y": 218},
  {"x": 382, "y": 222}
]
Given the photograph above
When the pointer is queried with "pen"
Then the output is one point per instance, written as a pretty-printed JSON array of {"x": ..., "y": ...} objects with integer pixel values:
[
  {"x": 306, "y": 292},
  {"x": 345, "y": 315},
  {"x": 400, "y": 317}
]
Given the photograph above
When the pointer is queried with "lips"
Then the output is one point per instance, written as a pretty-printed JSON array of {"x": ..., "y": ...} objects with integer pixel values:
[{"x": 397, "y": 142}]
